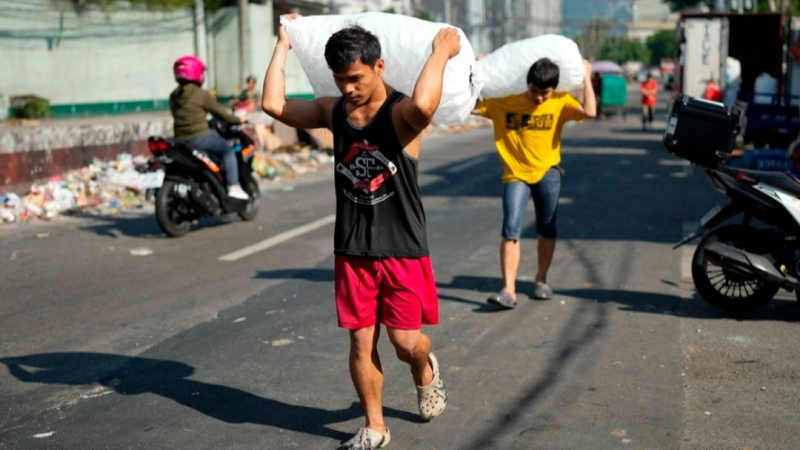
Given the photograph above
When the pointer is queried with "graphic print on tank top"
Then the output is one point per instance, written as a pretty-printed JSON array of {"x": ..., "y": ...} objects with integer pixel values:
[{"x": 368, "y": 169}]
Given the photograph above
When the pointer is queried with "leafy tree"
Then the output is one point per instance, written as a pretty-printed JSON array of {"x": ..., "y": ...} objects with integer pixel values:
[
  {"x": 621, "y": 50},
  {"x": 591, "y": 41},
  {"x": 424, "y": 15},
  {"x": 661, "y": 45}
]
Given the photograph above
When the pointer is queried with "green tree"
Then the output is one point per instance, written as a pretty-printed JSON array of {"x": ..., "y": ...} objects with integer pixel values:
[
  {"x": 591, "y": 41},
  {"x": 621, "y": 50},
  {"x": 661, "y": 45}
]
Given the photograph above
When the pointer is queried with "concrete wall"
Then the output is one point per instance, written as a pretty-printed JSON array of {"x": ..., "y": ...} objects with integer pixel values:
[
  {"x": 89, "y": 57},
  {"x": 262, "y": 45},
  {"x": 120, "y": 60},
  {"x": 34, "y": 153}
]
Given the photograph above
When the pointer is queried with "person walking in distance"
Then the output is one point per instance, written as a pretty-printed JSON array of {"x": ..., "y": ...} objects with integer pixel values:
[
  {"x": 382, "y": 271},
  {"x": 527, "y": 134},
  {"x": 649, "y": 89}
]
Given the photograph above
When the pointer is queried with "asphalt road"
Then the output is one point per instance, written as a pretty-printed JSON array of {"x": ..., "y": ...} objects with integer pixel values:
[{"x": 103, "y": 349}]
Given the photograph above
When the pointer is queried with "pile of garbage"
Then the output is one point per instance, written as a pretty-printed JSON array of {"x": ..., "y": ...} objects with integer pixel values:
[
  {"x": 102, "y": 188},
  {"x": 106, "y": 188},
  {"x": 291, "y": 161}
]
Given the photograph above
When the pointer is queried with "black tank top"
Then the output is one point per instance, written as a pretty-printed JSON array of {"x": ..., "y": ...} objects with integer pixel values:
[{"x": 378, "y": 203}]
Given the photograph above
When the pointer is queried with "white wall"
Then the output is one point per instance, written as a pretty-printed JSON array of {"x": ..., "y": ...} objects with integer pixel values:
[
  {"x": 95, "y": 56},
  {"x": 124, "y": 54},
  {"x": 224, "y": 28}
]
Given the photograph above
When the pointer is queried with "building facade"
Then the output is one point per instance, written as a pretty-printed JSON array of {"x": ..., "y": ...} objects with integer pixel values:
[
  {"x": 490, "y": 24},
  {"x": 406, "y": 7}
]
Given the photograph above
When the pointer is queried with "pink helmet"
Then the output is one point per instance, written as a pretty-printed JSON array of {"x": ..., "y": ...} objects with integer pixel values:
[{"x": 189, "y": 68}]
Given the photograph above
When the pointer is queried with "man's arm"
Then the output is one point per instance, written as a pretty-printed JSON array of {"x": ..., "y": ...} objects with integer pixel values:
[
  {"x": 294, "y": 112},
  {"x": 418, "y": 111},
  {"x": 589, "y": 107}
]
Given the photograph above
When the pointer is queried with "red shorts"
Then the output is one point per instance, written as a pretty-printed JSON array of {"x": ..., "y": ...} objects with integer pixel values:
[{"x": 397, "y": 292}]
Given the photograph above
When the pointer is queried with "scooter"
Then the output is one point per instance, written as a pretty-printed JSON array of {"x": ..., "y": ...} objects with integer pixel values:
[
  {"x": 740, "y": 267},
  {"x": 190, "y": 183}
]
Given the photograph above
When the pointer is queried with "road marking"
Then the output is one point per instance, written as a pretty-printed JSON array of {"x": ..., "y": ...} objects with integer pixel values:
[
  {"x": 278, "y": 239},
  {"x": 674, "y": 162},
  {"x": 466, "y": 165}
]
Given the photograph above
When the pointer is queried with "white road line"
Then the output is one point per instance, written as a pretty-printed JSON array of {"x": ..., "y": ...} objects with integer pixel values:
[
  {"x": 674, "y": 162},
  {"x": 278, "y": 239},
  {"x": 466, "y": 165}
]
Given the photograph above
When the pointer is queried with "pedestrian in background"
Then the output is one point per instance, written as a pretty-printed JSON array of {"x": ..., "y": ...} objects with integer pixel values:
[
  {"x": 649, "y": 89},
  {"x": 248, "y": 105}
]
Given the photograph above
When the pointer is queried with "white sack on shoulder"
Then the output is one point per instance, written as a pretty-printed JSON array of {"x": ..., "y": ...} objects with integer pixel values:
[
  {"x": 405, "y": 44},
  {"x": 505, "y": 70}
]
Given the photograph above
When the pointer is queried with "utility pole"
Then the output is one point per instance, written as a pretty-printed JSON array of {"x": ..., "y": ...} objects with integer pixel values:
[
  {"x": 201, "y": 48},
  {"x": 244, "y": 39}
]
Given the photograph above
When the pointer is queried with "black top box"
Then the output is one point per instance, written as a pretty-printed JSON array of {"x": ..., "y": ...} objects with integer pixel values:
[{"x": 702, "y": 131}]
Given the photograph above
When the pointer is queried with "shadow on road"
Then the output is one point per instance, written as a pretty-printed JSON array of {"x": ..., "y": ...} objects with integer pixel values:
[
  {"x": 572, "y": 348},
  {"x": 169, "y": 379},
  {"x": 326, "y": 275},
  {"x": 634, "y": 301},
  {"x": 606, "y": 143},
  {"x": 315, "y": 274},
  {"x": 141, "y": 226}
]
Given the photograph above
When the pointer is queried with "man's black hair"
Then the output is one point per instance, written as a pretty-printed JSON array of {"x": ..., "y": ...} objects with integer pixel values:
[
  {"x": 349, "y": 45},
  {"x": 543, "y": 74}
]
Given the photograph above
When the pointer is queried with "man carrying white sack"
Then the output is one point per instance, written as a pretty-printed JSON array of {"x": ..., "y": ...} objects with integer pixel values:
[
  {"x": 383, "y": 274},
  {"x": 527, "y": 132}
]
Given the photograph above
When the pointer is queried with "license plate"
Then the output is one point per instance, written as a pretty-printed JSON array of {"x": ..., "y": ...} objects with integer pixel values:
[
  {"x": 151, "y": 180},
  {"x": 710, "y": 215}
]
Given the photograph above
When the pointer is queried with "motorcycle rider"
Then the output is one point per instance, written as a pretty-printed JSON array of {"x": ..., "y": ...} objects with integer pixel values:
[{"x": 189, "y": 104}]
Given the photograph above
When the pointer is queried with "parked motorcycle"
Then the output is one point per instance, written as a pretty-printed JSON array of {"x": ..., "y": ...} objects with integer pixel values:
[
  {"x": 192, "y": 183},
  {"x": 738, "y": 267}
]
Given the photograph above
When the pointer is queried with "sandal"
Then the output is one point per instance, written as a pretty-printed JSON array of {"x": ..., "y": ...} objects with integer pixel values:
[
  {"x": 502, "y": 299},
  {"x": 367, "y": 439},
  {"x": 432, "y": 398}
]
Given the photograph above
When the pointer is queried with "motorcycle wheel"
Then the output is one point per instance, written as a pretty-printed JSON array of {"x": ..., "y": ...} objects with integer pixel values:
[
  {"x": 250, "y": 186},
  {"x": 723, "y": 289},
  {"x": 169, "y": 218}
]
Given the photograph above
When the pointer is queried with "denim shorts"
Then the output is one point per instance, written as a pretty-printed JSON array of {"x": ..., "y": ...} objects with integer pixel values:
[{"x": 545, "y": 200}]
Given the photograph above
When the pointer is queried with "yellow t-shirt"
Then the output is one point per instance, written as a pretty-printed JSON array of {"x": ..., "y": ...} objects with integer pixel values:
[{"x": 527, "y": 136}]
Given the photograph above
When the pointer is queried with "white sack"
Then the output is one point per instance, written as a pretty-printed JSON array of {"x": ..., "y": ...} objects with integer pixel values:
[
  {"x": 405, "y": 44},
  {"x": 505, "y": 70}
]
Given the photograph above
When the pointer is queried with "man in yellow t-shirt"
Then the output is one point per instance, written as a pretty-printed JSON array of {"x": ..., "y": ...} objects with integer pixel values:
[{"x": 527, "y": 134}]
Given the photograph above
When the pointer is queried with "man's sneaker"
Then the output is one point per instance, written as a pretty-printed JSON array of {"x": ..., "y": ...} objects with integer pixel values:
[
  {"x": 543, "y": 292},
  {"x": 502, "y": 299},
  {"x": 236, "y": 191},
  {"x": 367, "y": 439},
  {"x": 432, "y": 398}
]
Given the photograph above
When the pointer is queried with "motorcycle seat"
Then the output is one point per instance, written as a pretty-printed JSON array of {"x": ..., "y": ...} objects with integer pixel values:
[
  {"x": 780, "y": 180},
  {"x": 217, "y": 158}
]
